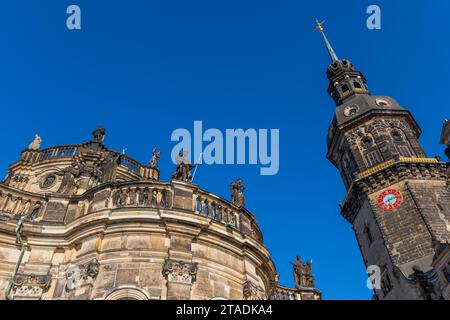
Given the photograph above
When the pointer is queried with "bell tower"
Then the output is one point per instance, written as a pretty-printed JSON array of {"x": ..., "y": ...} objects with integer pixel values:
[{"x": 398, "y": 199}]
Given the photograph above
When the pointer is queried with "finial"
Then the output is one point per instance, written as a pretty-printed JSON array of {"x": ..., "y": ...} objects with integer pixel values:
[
  {"x": 99, "y": 134},
  {"x": 319, "y": 26}
]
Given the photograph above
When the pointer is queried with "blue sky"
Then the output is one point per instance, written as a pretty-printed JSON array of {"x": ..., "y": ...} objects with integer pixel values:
[{"x": 144, "y": 68}]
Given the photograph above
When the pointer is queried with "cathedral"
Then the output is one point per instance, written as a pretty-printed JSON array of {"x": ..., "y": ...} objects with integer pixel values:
[
  {"x": 398, "y": 199},
  {"x": 85, "y": 222},
  {"x": 82, "y": 221}
]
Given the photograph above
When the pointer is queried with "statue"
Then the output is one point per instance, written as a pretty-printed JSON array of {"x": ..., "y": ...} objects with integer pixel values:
[
  {"x": 303, "y": 274},
  {"x": 184, "y": 168},
  {"x": 36, "y": 143},
  {"x": 109, "y": 168},
  {"x": 68, "y": 183},
  {"x": 237, "y": 193},
  {"x": 154, "y": 159}
]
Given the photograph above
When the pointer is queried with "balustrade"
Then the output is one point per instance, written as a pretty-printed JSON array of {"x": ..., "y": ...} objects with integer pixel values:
[
  {"x": 284, "y": 293},
  {"x": 215, "y": 210}
]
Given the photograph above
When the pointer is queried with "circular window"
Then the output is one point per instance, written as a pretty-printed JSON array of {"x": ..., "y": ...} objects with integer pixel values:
[
  {"x": 48, "y": 181},
  {"x": 350, "y": 110},
  {"x": 383, "y": 102}
]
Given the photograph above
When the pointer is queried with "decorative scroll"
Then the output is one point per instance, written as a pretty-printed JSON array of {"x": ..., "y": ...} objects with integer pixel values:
[
  {"x": 180, "y": 271},
  {"x": 30, "y": 286},
  {"x": 251, "y": 291}
]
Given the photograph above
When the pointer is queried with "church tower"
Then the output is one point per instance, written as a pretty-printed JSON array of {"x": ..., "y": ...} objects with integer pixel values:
[{"x": 398, "y": 199}]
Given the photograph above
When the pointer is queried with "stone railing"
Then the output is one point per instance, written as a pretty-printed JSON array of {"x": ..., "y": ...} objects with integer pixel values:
[
  {"x": 225, "y": 212},
  {"x": 59, "y": 208},
  {"x": 58, "y": 152},
  {"x": 13, "y": 203},
  {"x": 285, "y": 293},
  {"x": 67, "y": 151},
  {"x": 216, "y": 209}
]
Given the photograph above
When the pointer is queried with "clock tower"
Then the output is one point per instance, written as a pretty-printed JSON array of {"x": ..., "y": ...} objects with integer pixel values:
[{"x": 398, "y": 199}]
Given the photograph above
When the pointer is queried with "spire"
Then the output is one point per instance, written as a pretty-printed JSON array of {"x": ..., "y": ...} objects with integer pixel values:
[{"x": 319, "y": 26}]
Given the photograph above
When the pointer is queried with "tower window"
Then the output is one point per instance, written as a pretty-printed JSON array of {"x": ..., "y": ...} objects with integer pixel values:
[
  {"x": 382, "y": 102},
  {"x": 357, "y": 85},
  {"x": 345, "y": 90},
  {"x": 373, "y": 158},
  {"x": 368, "y": 234},
  {"x": 367, "y": 142},
  {"x": 396, "y": 136},
  {"x": 405, "y": 151},
  {"x": 386, "y": 285}
]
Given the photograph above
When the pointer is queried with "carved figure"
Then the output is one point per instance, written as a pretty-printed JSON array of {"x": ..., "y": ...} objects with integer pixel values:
[
  {"x": 237, "y": 193},
  {"x": 154, "y": 159},
  {"x": 184, "y": 168},
  {"x": 68, "y": 183},
  {"x": 303, "y": 274},
  {"x": 36, "y": 143}
]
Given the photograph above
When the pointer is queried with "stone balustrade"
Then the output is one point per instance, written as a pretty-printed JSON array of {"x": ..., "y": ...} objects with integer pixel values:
[
  {"x": 285, "y": 293},
  {"x": 216, "y": 209},
  {"x": 54, "y": 207}
]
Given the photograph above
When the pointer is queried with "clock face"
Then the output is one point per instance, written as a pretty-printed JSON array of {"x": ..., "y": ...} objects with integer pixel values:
[{"x": 390, "y": 199}]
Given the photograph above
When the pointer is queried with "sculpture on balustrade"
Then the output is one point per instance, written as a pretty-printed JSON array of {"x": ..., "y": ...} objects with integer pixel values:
[
  {"x": 36, "y": 143},
  {"x": 184, "y": 168},
  {"x": 237, "y": 193},
  {"x": 154, "y": 159},
  {"x": 69, "y": 174},
  {"x": 303, "y": 274},
  {"x": 109, "y": 168}
]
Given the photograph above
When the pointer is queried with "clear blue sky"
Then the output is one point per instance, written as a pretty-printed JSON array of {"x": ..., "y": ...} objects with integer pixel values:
[{"x": 144, "y": 68}]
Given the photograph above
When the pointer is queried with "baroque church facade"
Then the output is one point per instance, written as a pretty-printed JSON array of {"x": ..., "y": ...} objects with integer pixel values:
[
  {"x": 86, "y": 222},
  {"x": 398, "y": 199}
]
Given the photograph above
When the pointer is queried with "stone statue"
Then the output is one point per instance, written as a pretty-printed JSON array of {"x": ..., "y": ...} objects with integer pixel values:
[
  {"x": 184, "y": 168},
  {"x": 68, "y": 183},
  {"x": 154, "y": 159},
  {"x": 109, "y": 168},
  {"x": 303, "y": 274},
  {"x": 36, "y": 143},
  {"x": 237, "y": 193}
]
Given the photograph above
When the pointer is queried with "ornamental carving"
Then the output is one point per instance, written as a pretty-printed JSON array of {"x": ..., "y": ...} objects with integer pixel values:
[
  {"x": 78, "y": 275},
  {"x": 30, "y": 286},
  {"x": 251, "y": 291},
  {"x": 180, "y": 271}
]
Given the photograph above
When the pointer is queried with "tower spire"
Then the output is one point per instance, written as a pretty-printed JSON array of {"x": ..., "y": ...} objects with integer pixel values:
[{"x": 319, "y": 26}]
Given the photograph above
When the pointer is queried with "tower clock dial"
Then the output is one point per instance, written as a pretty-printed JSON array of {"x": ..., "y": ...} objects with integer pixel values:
[{"x": 390, "y": 199}]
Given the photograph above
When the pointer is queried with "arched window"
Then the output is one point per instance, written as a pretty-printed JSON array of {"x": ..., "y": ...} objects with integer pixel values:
[
  {"x": 345, "y": 89},
  {"x": 357, "y": 85},
  {"x": 128, "y": 293},
  {"x": 401, "y": 143}
]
